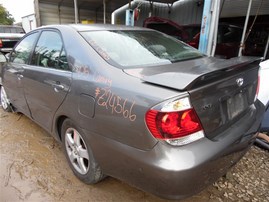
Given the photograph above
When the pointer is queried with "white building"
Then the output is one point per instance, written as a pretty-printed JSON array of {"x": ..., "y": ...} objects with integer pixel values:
[{"x": 29, "y": 22}]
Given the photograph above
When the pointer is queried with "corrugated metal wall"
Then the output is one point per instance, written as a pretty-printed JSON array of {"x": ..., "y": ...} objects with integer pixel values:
[
  {"x": 232, "y": 8},
  {"x": 187, "y": 12},
  {"x": 52, "y": 14},
  {"x": 160, "y": 10},
  {"x": 182, "y": 12},
  {"x": 190, "y": 11}
]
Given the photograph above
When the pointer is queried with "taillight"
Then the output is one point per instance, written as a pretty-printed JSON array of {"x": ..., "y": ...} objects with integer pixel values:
[
  {"x": 176, "y": 122},
  {"x": 1, "y": 43}
]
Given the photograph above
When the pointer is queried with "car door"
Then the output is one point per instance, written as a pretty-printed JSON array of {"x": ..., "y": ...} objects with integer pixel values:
[
  {"x": 47, "y": 79},
  {"x": 13, "y": 72}
]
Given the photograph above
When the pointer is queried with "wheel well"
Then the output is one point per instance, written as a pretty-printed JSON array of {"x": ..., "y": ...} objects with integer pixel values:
[{"x": 59, "y": 126}]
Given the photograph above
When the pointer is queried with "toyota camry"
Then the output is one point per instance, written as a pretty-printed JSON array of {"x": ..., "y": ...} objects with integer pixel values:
[{"x": 135, "y": 104}]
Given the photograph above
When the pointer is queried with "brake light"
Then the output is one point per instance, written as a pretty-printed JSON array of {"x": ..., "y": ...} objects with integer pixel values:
[
  {"x": 1, "y": 43},
  {"x": 176, "y": 122}
]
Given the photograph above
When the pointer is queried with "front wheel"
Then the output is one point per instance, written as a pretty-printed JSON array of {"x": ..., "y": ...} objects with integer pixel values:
[
  {"x": 4, "y": 100},
  {"x": 79, "y": 154}
]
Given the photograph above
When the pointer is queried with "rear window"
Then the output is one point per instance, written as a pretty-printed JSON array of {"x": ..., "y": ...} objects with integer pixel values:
[
  {"x": 136, "y": 48},
  {"x": 11, "y": 30},
  {"x": 167, "y": 29},
  {"x": 192, "y": 31}
]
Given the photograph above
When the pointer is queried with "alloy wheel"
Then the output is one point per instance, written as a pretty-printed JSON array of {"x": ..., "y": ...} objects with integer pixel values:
[
  {"x": 77, "y": 151},
  {"x": 4, "y": 100}
]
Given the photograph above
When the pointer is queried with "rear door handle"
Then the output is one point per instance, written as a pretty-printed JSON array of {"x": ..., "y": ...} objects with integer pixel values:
[
  {"x": 19, "y": 76},
  {"x": 58, "y": 87}
]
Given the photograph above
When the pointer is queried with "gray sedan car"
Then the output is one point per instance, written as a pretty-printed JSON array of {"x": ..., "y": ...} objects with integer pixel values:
[{"x": 135, "y": 104}]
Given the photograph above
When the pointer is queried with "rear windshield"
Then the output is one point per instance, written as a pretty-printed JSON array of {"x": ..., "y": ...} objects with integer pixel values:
[
  {"x": 136, "y": 48},
  {"x": 11, "y": 30},
  {"x": 192, "y": 31},
  {"x": 167, "y": 29}
]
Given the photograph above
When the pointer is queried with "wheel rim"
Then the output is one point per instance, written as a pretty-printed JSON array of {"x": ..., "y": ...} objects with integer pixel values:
[
  {"x": 4, "y": 99},
  {"x": 77, "y": 151}
]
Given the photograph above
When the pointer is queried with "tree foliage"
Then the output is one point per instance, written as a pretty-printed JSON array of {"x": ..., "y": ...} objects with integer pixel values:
[{"x": 5, "y": 17}]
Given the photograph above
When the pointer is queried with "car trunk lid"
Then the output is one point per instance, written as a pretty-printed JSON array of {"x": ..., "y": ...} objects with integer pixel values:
[{"x": 221, "y": 91}]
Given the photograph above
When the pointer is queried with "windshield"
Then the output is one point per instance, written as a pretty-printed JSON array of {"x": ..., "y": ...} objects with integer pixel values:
[{"x": 136, "y": 48}]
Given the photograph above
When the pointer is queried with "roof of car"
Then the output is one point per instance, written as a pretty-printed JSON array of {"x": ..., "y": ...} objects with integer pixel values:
[
  {"x": 96, "y": 27},
  {"x": 10, "y": 26}
]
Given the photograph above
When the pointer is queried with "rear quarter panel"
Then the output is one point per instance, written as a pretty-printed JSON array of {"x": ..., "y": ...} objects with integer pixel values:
[{"x": 104, "y": 100}]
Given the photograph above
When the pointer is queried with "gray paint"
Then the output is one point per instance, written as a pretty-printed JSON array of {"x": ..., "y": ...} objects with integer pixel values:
[{"x": 123, "y": 145}]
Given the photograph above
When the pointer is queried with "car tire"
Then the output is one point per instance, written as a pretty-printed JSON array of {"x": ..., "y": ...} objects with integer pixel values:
[
  {"x": 79, "y": 155},
  {"x": 5, "y": 103}
]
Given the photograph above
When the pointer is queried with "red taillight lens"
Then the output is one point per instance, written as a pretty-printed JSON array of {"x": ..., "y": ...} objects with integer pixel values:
[
  {"x": 1, "y": 43},
  {"x": 167, "y": 125}
]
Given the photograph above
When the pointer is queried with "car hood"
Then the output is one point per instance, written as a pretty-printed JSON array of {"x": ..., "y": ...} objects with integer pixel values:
[{"x": 186, "y": 74}]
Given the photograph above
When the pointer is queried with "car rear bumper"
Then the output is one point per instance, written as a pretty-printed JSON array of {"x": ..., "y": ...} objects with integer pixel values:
[
  {"x": 177, "y": 172},
  {"x": 6, "y": 50}
]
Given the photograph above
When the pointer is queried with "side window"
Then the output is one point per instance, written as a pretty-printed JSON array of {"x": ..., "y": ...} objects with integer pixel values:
[
  {"x": 62, "y": 63},
  {"x": 23, "y": 50},
  {"x": 49, "y": 51}
]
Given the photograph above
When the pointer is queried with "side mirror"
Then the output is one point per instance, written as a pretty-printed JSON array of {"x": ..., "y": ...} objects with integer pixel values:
[{"x": 2, "y": 58}]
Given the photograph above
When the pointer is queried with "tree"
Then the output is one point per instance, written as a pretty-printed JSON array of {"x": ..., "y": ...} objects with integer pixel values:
[{"x": 5, "y": 17}]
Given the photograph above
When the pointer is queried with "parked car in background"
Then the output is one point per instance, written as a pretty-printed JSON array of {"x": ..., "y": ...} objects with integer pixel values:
[
  {"x": 184, "y": 33},
  {"x": 263, "y": 95},
  {"x": 9, "y": 36},
  {"x": 135, "y": 104},
  {"x": 257, "y": 39},
  {"x": 228, "y": 38},
  {"x": 228, "y": 35}
]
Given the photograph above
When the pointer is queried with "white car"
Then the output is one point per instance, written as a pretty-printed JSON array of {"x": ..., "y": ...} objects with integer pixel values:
[
  {"x": 263, "y": 95},
  {"x": 9, "y": 36}
]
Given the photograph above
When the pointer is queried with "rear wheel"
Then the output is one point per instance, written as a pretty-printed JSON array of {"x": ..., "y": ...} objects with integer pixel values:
[
  {"x": 5, "y": 103},
  {"x": 79, "y": 154}
]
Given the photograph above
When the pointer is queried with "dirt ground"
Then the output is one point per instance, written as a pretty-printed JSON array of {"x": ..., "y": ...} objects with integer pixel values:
[{"x": 33, "y": 168}]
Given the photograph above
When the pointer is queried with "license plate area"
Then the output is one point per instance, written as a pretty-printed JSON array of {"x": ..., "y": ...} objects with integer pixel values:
[{"x": 236, "y": 105}]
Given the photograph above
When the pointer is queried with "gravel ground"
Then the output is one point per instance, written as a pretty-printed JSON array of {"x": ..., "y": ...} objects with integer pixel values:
[
  {"x": 33, "y": 168},
  {"x": 247, "y": 181}
]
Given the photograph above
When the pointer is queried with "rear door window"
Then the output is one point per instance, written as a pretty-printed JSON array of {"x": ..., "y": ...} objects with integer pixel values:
[{"x": 49, "y": 51}]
